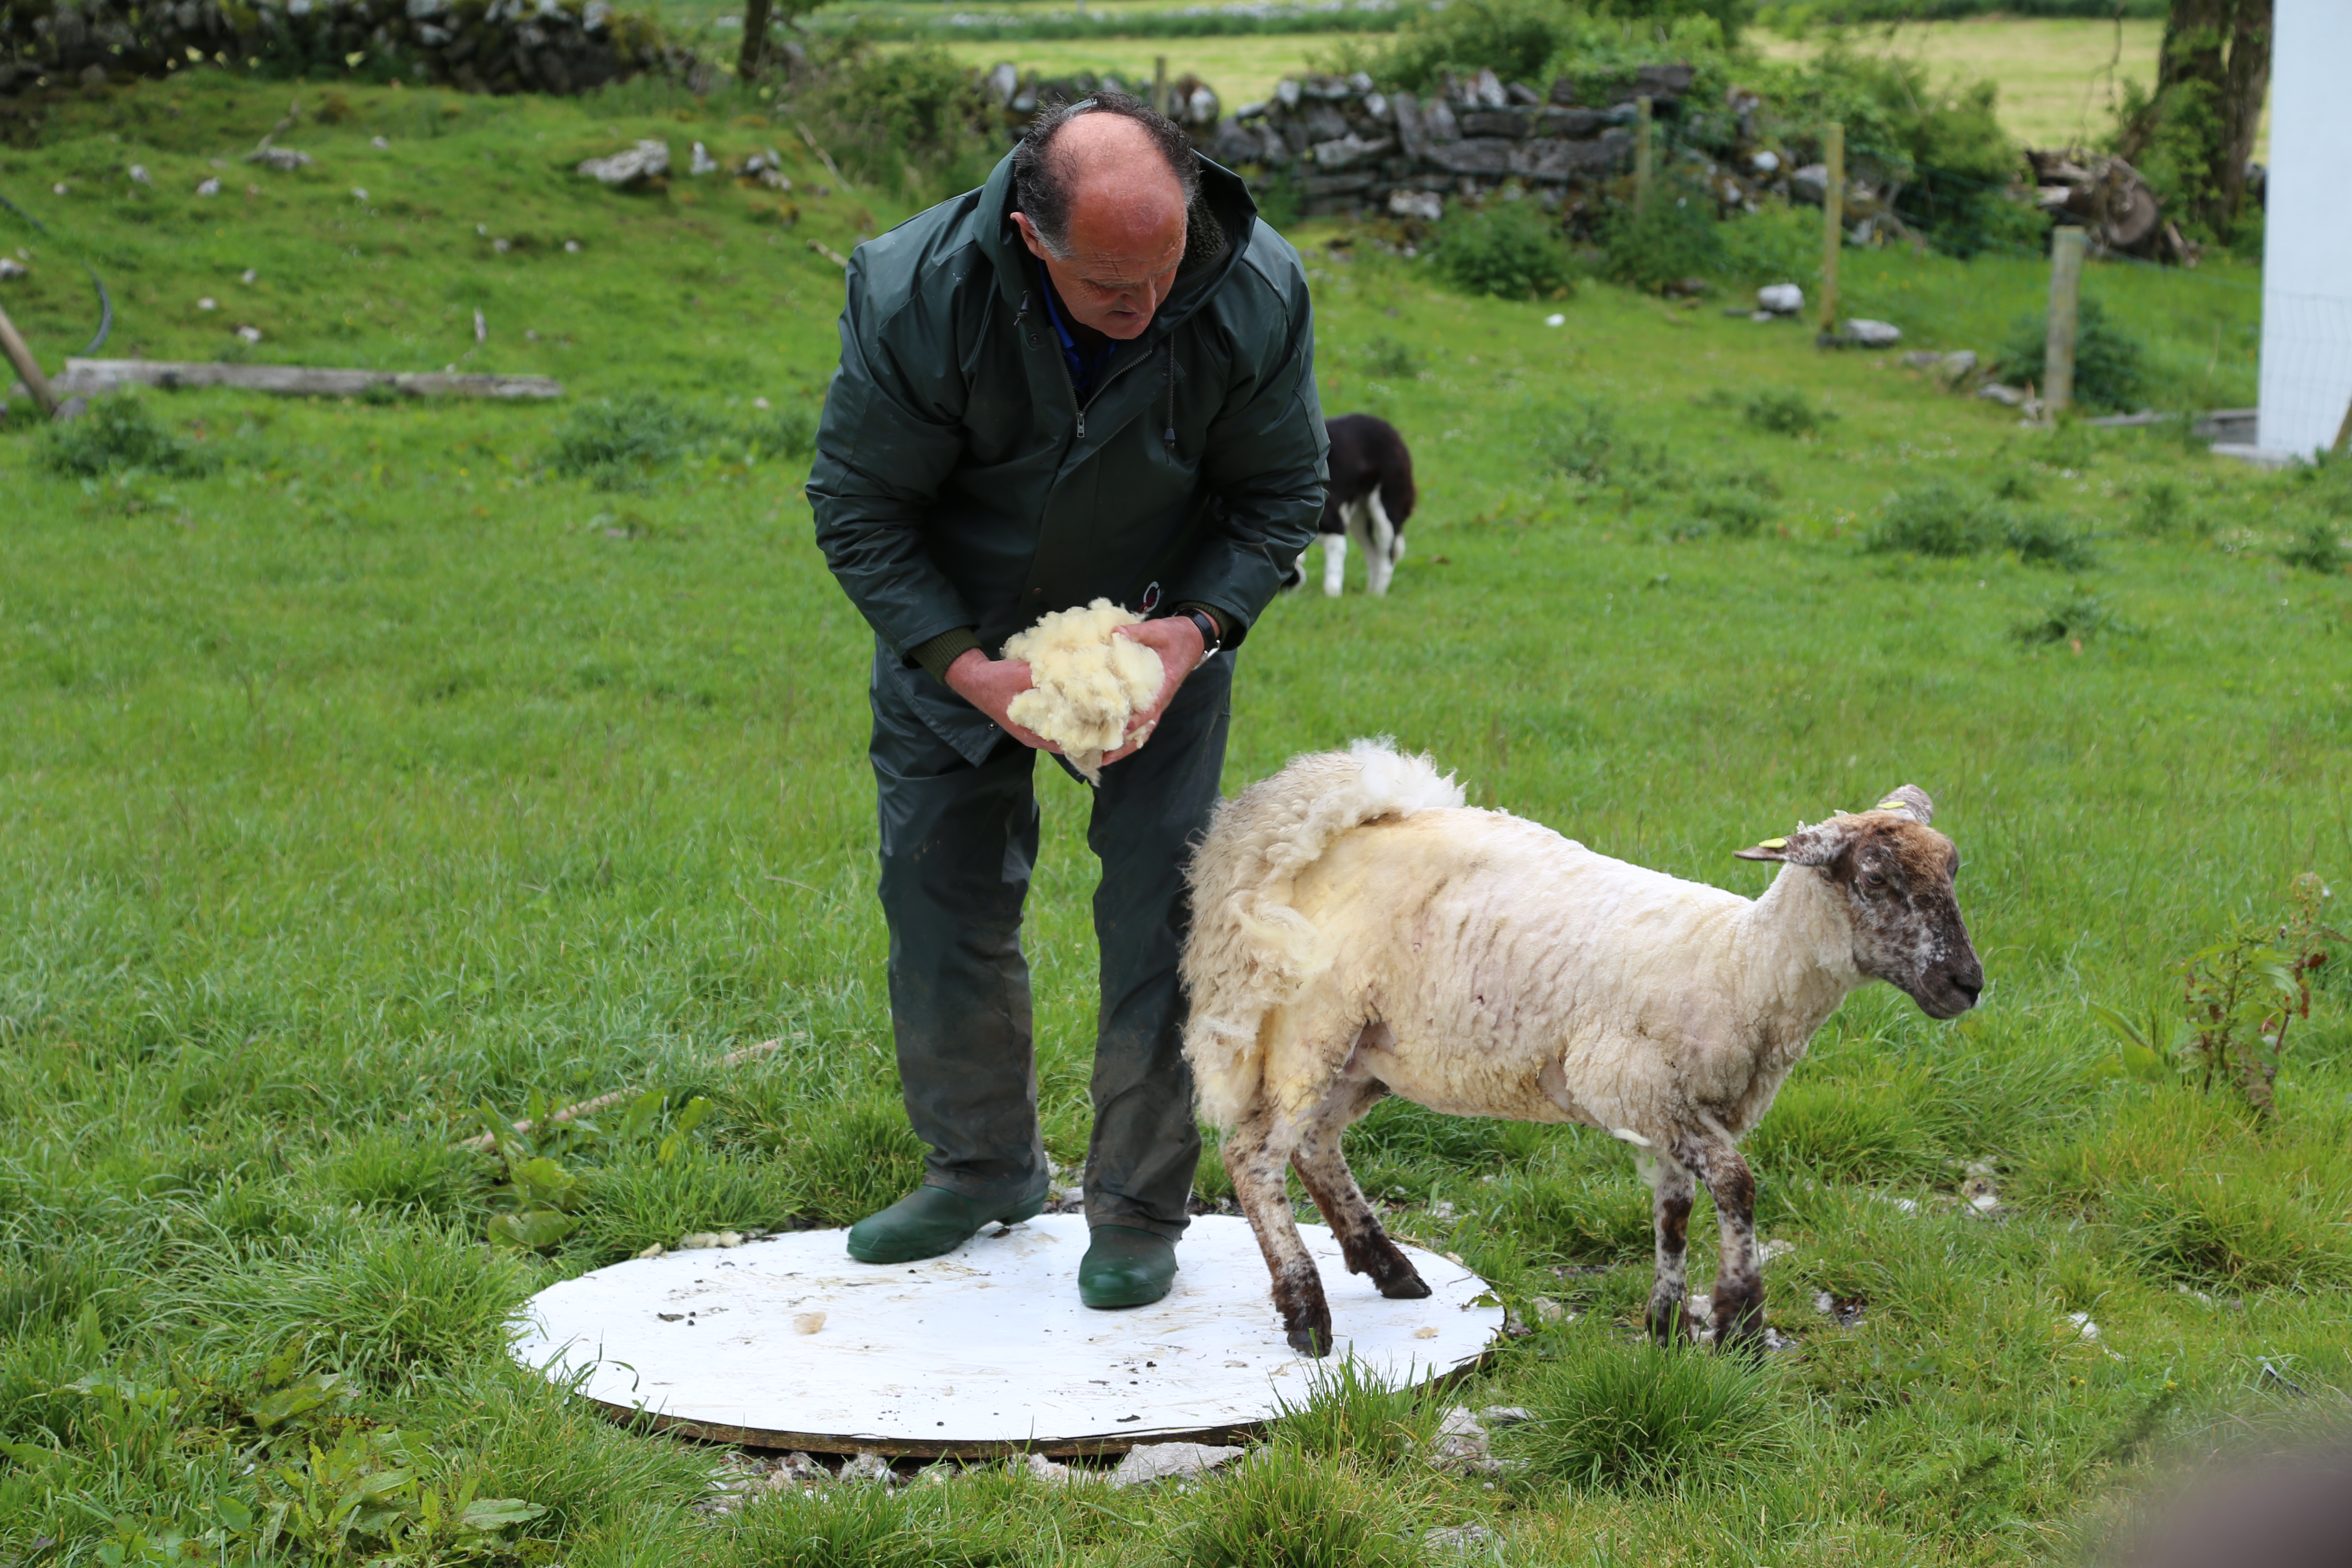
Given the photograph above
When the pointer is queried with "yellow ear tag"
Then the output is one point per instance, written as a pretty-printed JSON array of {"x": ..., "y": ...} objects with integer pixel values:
[
  {"x": 1773, "y": 844},
  {"x": 1891, "y": 804}
]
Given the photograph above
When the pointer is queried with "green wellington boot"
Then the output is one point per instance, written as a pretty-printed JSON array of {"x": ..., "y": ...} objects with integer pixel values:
[
  {"x": 1125, "y": 1267},
  {"x": 929, "y": 1221}
]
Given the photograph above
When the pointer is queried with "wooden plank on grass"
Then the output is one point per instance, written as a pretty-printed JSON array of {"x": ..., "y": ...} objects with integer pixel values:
[{"x": 86, "y": 376}]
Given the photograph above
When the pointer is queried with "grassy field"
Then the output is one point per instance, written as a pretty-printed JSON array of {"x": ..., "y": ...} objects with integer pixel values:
[{"x": 367, "y": 770}]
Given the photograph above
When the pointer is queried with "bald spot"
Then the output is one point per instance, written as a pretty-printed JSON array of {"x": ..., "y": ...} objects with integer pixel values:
[{"x": 1124, "y": 198}]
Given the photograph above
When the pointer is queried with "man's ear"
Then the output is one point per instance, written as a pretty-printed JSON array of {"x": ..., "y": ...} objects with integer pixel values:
[
  {"x": 1028, "y": 235},
  {"x": 1815, "y": 845}
]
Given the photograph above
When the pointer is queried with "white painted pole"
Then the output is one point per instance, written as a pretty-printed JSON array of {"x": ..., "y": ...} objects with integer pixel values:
[{"x": 2306, "y": 367}]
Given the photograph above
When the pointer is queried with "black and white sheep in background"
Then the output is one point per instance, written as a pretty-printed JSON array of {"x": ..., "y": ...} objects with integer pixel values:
[{"x": 1358, "y": 932}]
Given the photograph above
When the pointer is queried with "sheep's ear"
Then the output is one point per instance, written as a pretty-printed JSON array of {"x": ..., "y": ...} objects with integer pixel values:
[
  {"x": 1815, "y": 845},
  {"x": 1911, "y": 801}
]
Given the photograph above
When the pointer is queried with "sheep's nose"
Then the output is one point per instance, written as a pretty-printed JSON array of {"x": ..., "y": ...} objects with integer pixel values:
[{"x": 1970, "y": 986}]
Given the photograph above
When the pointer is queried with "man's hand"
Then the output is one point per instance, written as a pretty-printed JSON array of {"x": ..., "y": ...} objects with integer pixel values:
[
  {"x": 991, "y": 684},
  {"x": 1178, "y": 643}
]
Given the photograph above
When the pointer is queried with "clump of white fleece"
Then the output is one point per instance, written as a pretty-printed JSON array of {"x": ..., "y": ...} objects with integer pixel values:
[{"x": 1090, "y": 684}]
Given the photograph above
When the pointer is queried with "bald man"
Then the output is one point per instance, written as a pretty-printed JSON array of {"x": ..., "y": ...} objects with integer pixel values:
[{"x": 1091, "y": 378}]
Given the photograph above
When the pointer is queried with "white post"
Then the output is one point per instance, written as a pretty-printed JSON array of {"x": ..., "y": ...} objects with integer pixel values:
[{"x": 2306, "y": 371}]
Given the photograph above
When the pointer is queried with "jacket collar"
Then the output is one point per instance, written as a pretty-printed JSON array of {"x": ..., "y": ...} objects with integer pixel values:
[{"x": 1221, "y": 191}]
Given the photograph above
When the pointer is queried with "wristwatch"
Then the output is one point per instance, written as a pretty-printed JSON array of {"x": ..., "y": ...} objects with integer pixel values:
[{"x": 1211, "y": 640}]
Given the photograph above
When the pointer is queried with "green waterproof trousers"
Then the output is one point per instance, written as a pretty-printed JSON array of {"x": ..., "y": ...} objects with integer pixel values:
[{"x": 959, "y": 840}]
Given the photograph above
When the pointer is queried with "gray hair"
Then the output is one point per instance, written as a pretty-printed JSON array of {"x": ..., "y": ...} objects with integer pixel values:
[{"x": 1041, "y": 182}]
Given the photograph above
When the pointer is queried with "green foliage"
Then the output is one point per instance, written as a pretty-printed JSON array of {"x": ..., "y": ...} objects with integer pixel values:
[
  {"x": 2074, "y": 618},
  {"x": 1934, "y": 519},
  {"x": 621, "y": 443},
  {"x": 1842, "y": 1132},
  {"x": 1288, "y": 1508},
  {"x": 903, "y": 119},
  {"x": 2245, "y": 991},
  {"x": 1390, "y": 359},
  {"x": 2320, "y": 547},
  {"x": 1513, "y": 38},
  {"x": 116, "y": 434},
  {"x": 1942, "y": 147},
  {"x": 1350, "y": 1414},
  {"x": 1732, "y": 510},
  {"x": 2109, "y": 359},
  {"x": 785, "y": 432},
  {"x": 2042, "y": 541},
  {"x": 1659, "y": 243},
  {"x": 2163, "y": 509},
  {"x": 536, "y": 1202},
  {"x": 1511, "y": 250},
  {"x": 1614, "y": 1417},
  {"x": 1784, "y": 410}
]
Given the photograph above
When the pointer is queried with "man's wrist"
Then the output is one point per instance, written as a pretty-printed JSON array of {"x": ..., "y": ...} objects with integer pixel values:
[
  {"x": 1216, "y": 621},
  {"x": 936, "y": 654}
]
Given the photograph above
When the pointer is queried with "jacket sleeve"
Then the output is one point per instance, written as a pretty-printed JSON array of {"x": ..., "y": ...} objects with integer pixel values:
[
  {"x": 1267, "y": 463},
  {"x": 891, "y": 435}
]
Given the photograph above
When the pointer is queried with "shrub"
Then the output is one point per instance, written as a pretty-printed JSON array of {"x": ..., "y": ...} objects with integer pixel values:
[
  {"x": 2108, "y": 360},
  {"x": 1513, "y": 38},
  {"x": 2044, "y": 542},
  {"x": 1785, "y": 411},
  {"x": 2317, "y": 549},
  {"x": 785, "y": 432},
  {"x": 1638, "y": 1418},
  {"x": 901, "y": 118},
  {"x": 1390, "y": 360},
  {"x": 1509, "y": 249},
  {"x": 117, "y": 433},
  {"x": 617, "y": 443},
  {"x": 1671, "y": 236},
  {"x": 2162, "y": 507},
  {"x": 2070, "y": 620},
  {"x": 1733, "y": 514},
  {"x": 1933, "y": 518}
]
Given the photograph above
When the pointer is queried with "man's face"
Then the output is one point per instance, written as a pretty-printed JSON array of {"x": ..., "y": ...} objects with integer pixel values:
[{"x": 1124, "y": 248}]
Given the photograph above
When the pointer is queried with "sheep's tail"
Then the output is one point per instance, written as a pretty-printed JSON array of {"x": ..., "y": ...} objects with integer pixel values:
[{"x": 1250, "y": 951}]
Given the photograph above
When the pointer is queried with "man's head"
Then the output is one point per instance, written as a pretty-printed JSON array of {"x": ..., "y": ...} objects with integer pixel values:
[{"x": 1100, "y": 190}]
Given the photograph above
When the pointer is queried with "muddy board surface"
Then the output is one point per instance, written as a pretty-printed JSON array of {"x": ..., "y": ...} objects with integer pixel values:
[{"x": 789, "y": 1342}]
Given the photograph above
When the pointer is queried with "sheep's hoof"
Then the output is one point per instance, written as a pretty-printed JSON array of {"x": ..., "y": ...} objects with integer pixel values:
[
  {"x": 1310, "y": 1340},
  {"x": 1410, "y": 1286},
  {"x": 1669, "y": 1324}
]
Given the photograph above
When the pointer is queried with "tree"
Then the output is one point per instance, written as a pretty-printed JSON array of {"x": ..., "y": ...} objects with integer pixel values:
[{"x": 2194, "y": 134}]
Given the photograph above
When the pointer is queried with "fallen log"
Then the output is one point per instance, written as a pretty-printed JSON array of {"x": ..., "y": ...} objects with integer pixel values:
[
  {"x": 85, "y": 377},
  {"x": 578, "y": 1108}
]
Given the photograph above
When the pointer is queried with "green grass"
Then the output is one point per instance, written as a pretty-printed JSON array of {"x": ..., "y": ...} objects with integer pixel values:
[{"x": 371, "y": 769}]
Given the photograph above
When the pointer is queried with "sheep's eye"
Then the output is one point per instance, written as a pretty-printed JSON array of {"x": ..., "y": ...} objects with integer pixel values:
[{"x": 1875, "y": 880}]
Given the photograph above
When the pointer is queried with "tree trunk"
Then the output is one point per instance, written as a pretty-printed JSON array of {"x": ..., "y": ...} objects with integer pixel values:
[
  {"x": 2246, "y": 87},
  {"x": 755, "y": 38}
]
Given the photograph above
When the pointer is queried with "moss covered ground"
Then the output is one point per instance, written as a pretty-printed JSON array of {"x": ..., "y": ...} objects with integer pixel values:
[{"x": 358, "y": 768}]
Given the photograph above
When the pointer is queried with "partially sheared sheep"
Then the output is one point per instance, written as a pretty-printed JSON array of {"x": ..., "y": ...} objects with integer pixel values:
[
  {"x": 1356, "y": 933},
  {"x": 1089, "y": 683}
]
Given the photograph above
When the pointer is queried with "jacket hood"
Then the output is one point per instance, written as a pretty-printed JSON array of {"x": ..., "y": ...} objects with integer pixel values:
[{"x": 1224, "y": 199}]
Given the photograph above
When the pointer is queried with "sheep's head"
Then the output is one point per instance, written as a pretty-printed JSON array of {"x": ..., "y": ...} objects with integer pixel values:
[{"x": 1895, "y": 873}]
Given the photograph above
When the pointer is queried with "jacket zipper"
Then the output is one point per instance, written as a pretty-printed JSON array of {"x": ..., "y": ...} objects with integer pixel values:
[{"x": 1117, "y": 370}]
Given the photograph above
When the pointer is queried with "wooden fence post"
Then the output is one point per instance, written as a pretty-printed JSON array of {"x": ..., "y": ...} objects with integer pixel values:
[
  {"x": 748, "y": 63},
  {"x": 2058, "y": 339},
  {"x": 28, "y": 367},
  {"x": 1832, "y": 223},
  {"x": 1160, "y": 84},
  {"x": 1644, "y": 157}
]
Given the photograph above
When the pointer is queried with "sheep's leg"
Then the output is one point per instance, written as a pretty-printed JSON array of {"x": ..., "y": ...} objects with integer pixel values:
[
  {"x": 1323, "y": 1167},
  {"x": 1740, "y": 1280},
  {"x": 1380, "y": 553},
  {"x": 1335, "y": 562},
  {"x": 1254, "y": 1154},
  {"x": 1670, "y": 1293}
]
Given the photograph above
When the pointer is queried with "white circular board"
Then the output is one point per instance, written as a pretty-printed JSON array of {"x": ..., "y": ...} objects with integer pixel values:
[{"x": 789, "y": 1342}]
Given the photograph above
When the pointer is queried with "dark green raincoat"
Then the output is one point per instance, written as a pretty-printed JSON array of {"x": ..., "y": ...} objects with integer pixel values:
[{"x": 960, "y": 490}]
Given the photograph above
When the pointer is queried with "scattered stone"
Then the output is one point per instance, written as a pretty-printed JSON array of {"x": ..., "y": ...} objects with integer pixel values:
[
  {"x": 1781, "y": 298},
  {"x": 2076, "y": 1326},
  {"x": 655, "y": 1250},
  {"x": 2015, "y": 396},
  {"x": 798, "y": 1472},
  {"x": 1037, "y": 1467},
  {"x": 572, "y": 248},
  {"x": 1983, "y": 1197},
  {"x": 358, "y": 194},
  {"x": 1148, "y": 1462},
  {"x": 702, "y": 162},
  {"x": 1772, "y": 1249},
  {"x": 248, "y": 277},
  {"x": 10, "y": 268},
  {"x": 380, "y": 144},
  {"x": 701, "y": 1240},
  {"x": 1461, "y": 1445},
  {"x": 1555, "y": 320},
  {"x": 285, "y": 159},
  {"x": 138, "y": 176},
  {"x": 1513, "y": 1326},
  {"x": 647, "y": 161},
  {"x": 1442, "y": 1209},
  {"x": 1460, "y": 1538},
  {"x": 1547, "y": 1310},
  {"x": 1506, "y": 1415},
  {"x": 208, "y": 303},
  {"x": 866, "y": 1464},
  {"x": 1864, "y": 334},
  {"x": 249, "y": 335},
  {"x": 1427, "y": 205},
  {"x": 1765, "y": 163},
  {"x": 209, "y": 186},
  {"x": 767, "y": 169}
]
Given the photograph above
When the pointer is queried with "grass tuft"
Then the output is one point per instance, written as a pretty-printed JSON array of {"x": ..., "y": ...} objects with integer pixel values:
[
  {"x": 1281, "y": 1507},
  {"x": 1634, "y": 1417}
]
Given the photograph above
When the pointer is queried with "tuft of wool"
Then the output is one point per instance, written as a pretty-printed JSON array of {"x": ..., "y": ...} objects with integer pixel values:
[{"x": 1090, "y": 684}]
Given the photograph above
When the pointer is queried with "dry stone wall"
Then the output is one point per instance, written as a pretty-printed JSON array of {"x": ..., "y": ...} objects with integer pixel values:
[{"x": 481, "y": 46}]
